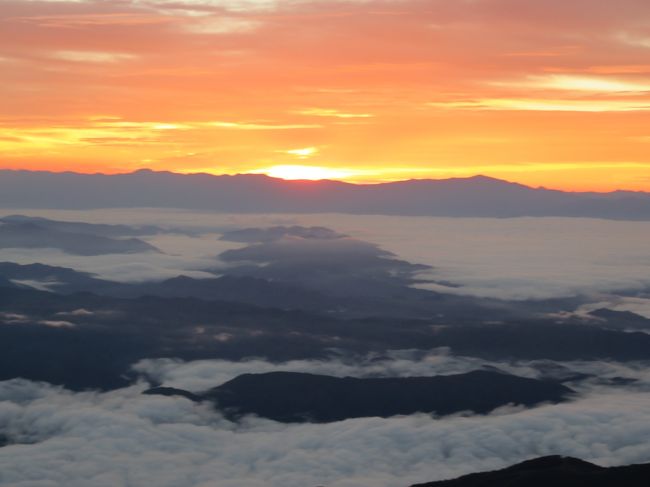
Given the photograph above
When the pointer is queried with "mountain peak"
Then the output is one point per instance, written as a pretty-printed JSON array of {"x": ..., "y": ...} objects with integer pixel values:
[{"x": 555, "y": 462}]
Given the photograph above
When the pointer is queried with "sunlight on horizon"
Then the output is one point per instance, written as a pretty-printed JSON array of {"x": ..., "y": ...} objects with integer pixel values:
[{"x": 302, "y": 172}]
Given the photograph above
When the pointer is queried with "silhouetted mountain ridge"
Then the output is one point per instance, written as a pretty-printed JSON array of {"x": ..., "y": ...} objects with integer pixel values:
[
  {"x": 478, "y": 196},
  {"x": 300, "y": 397}
]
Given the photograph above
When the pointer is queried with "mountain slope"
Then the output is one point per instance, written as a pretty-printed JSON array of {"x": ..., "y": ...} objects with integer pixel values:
[
  {"x": 299, "y": 397},
  {"x": 30, "y": 235}
]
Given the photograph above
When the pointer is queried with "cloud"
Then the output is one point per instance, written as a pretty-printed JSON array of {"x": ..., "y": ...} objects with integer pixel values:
[
  {"x": 519, "y": 258},
  {"x": 200, "y": 375},
  {"x": 270, "y": 234},
  {"x": 331, "y": 112},
  {"x": 221, "y": 25},
  {"x": 241, "y": 6},
  {"x": 228, "y": 5},
  {"x": 303, "y": 153},
  {"x": 634, "y": 40},
  {"x": 41, "y": 285},
  {"x": 262, "y": 126},
  {"x": 546, "y": 105},
  {"x": 92, "y": 56},
  {"x": 579, "y": 83},
  {"x": 77, "y": 312},
  {"x": 100, "y": 439},
  {"x": 330, "y": 63},
  {"x": 106, "y": 19},
  {"x": 57, "y": 323},
  {"x": 181, "y": 254},
  {"x": 14, "y": 318}
]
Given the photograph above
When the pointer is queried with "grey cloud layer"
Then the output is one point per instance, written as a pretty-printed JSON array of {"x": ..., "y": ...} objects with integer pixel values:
[
  {"x": 124, "y": 438},
  {"x": 199, "y": 375}
]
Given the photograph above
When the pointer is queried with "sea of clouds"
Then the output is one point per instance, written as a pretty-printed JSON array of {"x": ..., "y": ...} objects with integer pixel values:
[
  {"x": 517, "y": 258},
  {"x": 122, "y": 437},
  {"x": 119, "y": 438}
]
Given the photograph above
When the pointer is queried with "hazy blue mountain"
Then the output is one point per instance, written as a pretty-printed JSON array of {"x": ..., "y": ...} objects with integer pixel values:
[
  {"x": 53, "y": 278},
  {"x": 477, "y": 196},
  {"x": 7, "y": 283},
  {"x": 33, "y": 235},
  {"x": 337, "y": 266},
  {"x": 553, "y": 471},
  {"x": 100, "y": 229}
]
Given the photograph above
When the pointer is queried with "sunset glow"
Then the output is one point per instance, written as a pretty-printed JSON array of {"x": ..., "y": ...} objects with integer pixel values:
[
  {"x": 297, "y": 172},
  {"x": 363, "y": 91}
]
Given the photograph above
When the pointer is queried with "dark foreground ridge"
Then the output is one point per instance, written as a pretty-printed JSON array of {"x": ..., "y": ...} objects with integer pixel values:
[
  {"x": 298, "y": 397},
  {"x": 86, "y": 341},
  {"x": 556, "y": 471}
]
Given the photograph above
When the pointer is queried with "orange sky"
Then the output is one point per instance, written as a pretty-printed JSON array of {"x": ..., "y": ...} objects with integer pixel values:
[{"x": 553, "y": 93}]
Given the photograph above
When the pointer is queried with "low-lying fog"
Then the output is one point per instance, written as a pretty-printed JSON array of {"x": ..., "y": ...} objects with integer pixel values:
[{"x": 517, "y": 258}]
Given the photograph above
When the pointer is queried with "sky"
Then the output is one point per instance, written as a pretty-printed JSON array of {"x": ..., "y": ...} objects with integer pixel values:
[{"x": 553, "y": 93}]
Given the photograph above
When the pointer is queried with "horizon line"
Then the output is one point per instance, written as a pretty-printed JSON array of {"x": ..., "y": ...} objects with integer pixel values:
[{"x": 319, "y": 180}]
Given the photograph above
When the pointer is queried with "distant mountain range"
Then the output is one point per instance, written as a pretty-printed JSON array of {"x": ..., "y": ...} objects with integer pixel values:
[
  {"x": 554, "y": 470},
  {"x": 478, "y": 196}
]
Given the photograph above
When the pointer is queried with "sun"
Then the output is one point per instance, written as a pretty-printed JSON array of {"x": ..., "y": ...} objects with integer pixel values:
[{"x": 300, "y": 172}]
